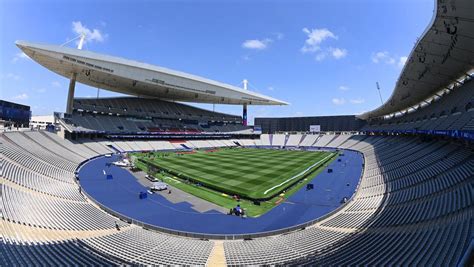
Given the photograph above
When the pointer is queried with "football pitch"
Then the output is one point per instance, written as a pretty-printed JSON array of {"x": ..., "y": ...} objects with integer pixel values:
[{"x": 255, "y": 174}]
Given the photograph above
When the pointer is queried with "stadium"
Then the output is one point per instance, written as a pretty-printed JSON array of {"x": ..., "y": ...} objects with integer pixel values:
[{"x": 148, "y": 178}]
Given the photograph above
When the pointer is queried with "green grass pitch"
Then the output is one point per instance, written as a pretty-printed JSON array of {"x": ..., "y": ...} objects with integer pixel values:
[{"x": 249, "y": 173}]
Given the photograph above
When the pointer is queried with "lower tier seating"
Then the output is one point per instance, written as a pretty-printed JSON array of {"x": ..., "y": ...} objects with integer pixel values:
[{"x": 414, "y": 206}]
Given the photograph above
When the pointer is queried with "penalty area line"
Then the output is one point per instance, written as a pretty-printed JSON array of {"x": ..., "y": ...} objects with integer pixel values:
[{"x": 296, "y": 176}]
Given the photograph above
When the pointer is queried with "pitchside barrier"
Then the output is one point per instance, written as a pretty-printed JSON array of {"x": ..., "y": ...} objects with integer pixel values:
[{"x": 218, "y": 236}]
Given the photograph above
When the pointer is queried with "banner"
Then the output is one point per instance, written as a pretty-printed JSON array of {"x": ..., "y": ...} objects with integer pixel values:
[{"x": 466, "y": 135}]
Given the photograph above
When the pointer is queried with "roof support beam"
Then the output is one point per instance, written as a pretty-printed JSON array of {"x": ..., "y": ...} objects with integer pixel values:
[{"x": 70, "y": 95}]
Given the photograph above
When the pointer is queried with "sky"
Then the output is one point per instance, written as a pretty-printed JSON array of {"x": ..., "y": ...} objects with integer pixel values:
[{"x": 324, "y": 57}]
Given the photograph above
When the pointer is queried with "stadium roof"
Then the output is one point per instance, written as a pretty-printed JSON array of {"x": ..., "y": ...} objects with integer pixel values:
[
  {"x": 139, "y": 79},
  {"x": 441, "y": 57}
]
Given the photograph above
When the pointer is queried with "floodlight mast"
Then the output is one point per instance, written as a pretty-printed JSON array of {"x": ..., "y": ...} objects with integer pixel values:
[
  {"x": 72, "y": 81},
  {"x": 81, "y": 41},
  {"x": 380, "y": 94},
  {"x": 244, "y": 111}
]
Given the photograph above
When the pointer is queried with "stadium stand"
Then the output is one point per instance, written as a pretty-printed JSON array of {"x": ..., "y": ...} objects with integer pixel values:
[
  {"x": 308, "y": 140},
  {"x": 133, "y": 115},
  {"x": 139, "y": 246},
  {"x": 452, "y": 110},
  {"x": 414, "y": 204},
  {"x": 265, "y": 140},
  {"x": 324, "y": 140},
  {"x": 294, "y": 140},
  {"x": 147, "y": 108},
  {"x": 338, "y": 140},
  {"x": 60, "y": 253},
  {"x": 246, "y": 142},
  {"x": 438, "y": 196},
  {"x": 278, "y": 140},
  {"x": 435, "y": 186}
]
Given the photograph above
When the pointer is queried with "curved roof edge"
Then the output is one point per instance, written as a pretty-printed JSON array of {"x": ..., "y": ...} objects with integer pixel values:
[
  {"x": 136, "y": 78},
  {"x": 441, "y": 56}
]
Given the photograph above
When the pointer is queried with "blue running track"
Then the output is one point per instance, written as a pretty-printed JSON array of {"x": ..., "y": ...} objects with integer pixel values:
[{"x": 121, "y": 195}]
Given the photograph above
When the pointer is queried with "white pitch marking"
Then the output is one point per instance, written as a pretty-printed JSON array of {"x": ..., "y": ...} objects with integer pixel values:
[{"x": 298, "y": 175}]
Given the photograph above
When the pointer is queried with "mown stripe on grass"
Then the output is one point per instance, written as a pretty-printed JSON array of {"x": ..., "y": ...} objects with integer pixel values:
[{"x": 245, "y": 175}]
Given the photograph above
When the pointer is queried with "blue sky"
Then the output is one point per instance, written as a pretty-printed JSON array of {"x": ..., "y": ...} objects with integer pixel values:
[{"x": 324, "y": 57}]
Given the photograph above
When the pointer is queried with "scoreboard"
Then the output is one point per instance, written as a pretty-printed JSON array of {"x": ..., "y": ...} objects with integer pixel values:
[{"x": 315, "y": 128}]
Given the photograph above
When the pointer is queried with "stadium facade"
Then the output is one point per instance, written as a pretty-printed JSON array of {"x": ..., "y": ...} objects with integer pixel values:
[
  {"x": 414, "y": 203},
  {"x": 13, "y": 114},
  {"x": 348, "y": 123}
]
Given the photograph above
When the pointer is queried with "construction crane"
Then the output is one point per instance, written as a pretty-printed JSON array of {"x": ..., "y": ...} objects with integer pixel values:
[{"x": 380, "y": 94}]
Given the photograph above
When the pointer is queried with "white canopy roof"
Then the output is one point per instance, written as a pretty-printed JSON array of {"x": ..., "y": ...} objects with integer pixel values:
[
  {"x": 443, "y": 54},
  {"x": 139, "y": 79}
]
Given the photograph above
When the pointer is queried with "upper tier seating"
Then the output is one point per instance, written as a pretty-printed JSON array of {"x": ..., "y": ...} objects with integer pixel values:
[
  {"x": 155, "y": 108},
  {"x": 134, "y": 115},
  {"x": 112, "y": 124},
  {"x": 452, "y": 111}
]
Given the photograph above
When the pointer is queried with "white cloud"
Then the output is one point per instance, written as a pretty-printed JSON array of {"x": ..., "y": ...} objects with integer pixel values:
[
  {"x": 41, "y": 90},
  {"x": 270, "y": 88},
  {"x": 383, "y": 57},
  {"x": 260, "y": 44},
  {"x": 320, "y": 56},
  {"x": 402, "y": 61},
  {"x": 357, "y": 101},
  {"x": 22, "y": 96},
  {"x": 314, "y": 38},
  {"x": 342, "y": 101},
  {"x": 56, "y": 84},
  {"x": 20, "y": 56},
  {"x": 380, "y": 56},
  {"x": 279, "y": 35},
  {"x": 11, "y": 76},
  {"x": 338, "y": 53},
  {"x": 256, "y": 44},
  {"x": 338, "y": 101},
  {"x": 386, "y": 58},
  {"x": 314, "y": 41},
  {"x": 246, "y": 58},
  {"x": 343, "y": 88},
  {"x": 93, "y": 35}
]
